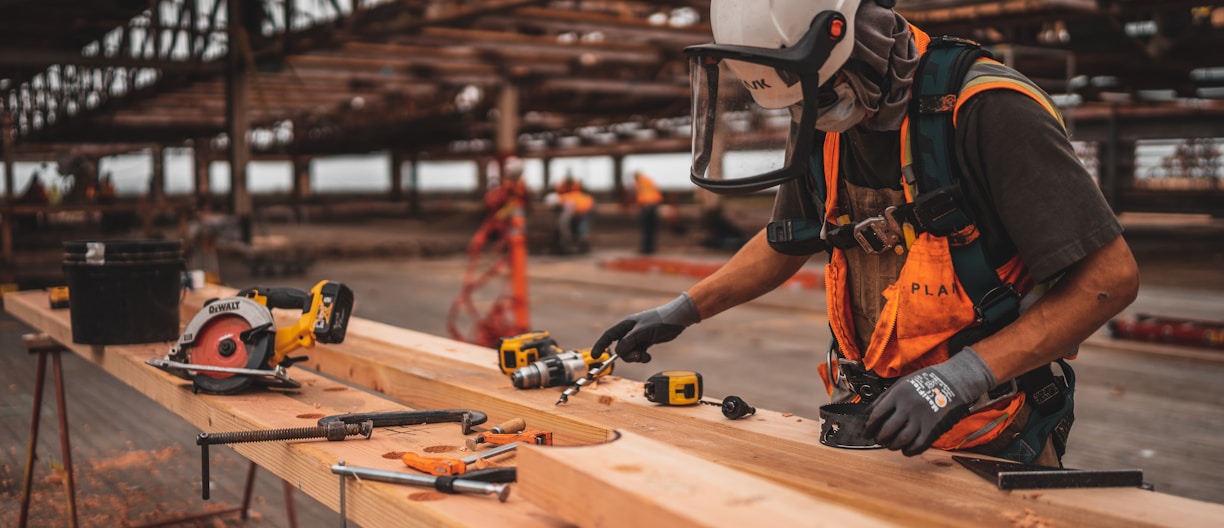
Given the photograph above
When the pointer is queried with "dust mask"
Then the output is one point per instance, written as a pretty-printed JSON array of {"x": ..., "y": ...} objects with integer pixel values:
[{"x": 842, "y": 114}]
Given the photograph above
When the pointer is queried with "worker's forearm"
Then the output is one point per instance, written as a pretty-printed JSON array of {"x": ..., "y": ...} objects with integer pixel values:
[
  {"x": 753, "y": 271},
  {"x": 1092, "y": 292}
]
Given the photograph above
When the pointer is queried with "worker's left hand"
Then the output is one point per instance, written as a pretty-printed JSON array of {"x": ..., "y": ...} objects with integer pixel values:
[
  {"x": 638, "y": 332},
  {"x": 919, "y": 408}
]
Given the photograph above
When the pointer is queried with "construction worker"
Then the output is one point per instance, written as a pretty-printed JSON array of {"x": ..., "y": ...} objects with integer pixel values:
[
  {"x": 943, "y": 287},
  {"x": 648, "y": 200},
  {"x": 577, "y": 210}
]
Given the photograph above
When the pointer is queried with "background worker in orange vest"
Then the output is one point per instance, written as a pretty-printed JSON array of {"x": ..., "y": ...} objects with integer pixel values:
[
  {"x": 912, "y": 333},
  {"x": 575, "y": 209},
  {"x": 648, "y": 200}
]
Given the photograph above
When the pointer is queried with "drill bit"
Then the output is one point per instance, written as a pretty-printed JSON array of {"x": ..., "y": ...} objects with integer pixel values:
[{"x": 595, "y": 372}]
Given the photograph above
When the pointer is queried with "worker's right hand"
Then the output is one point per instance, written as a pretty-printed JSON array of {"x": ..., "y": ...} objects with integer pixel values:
[{"x": 641, "y": 330}]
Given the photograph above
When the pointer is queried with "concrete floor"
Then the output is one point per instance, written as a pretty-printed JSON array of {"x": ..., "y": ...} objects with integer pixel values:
[{"x": 1145, "y": 406}]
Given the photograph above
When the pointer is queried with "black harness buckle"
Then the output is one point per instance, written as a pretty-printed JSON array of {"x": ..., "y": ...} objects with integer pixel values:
[
  {"x": 939, "y": 213},
  {"x": 875, "y": 235},
  {"x": 866, "y": 384},
  {"x": 999, "y": 306}
]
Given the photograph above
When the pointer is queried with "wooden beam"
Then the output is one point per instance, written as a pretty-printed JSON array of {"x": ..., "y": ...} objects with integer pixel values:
[
  {"x": 934, "y": 12},
  {"x": 663, "y": 484},
  {"x": 618, "y": 28},
  {"x": 237, "y": 119},
  {"x": 711, "y": 457},
  {"x": 928, "y": 490},
  {"x": 43, "y": 58}
]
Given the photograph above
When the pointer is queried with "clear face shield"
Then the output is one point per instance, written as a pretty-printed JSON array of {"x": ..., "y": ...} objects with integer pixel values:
[{"x": 748, "y": 109}]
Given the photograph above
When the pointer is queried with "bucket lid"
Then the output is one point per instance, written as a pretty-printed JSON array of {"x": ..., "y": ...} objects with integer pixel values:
[{"x": 98, "y": 252}]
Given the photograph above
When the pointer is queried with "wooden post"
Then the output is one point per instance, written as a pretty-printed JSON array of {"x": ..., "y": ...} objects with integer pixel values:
[
  {"x": 516, "y": 235},
  {"x": 157, "y": 181},
  {"x": 507, "y": 121},
  {"x": 6, "y": 219},
  {"x": 301, "y": 186},
  {"x": 482, "y": 178},
  {"x": 236, "y": 116},
  {"x": 547, "y": 174},
  {"x": 6, "y": 131},
  {"x": 618, "y": 178},
  {"x": 414, "y": 192},
  {"x": 397, "y": 175},
  {"x": 201, "y": 154}
]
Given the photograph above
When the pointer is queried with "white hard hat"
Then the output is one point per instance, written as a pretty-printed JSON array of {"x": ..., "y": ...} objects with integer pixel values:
[
  {"x": 776, "y": 24},
  {"x": 513, "y": 165}
]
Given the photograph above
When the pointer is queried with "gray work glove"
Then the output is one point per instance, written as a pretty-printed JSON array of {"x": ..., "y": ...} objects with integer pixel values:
[
  {"x": 919, "y": 408},
  {"x": 641, "y": 330}
]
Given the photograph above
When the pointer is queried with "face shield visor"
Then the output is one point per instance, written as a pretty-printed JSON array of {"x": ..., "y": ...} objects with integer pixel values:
[{"x": 748, "y": 108}]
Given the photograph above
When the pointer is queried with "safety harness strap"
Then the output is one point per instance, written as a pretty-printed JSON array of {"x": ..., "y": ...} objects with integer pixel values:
[
  {"x": 938, "y": 205},
  {"x": 936, "y": 176}
]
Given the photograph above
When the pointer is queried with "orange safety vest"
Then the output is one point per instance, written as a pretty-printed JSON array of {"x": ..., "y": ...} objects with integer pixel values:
[
  {"x": 582, "y": 202},
  {"x": 647, "y": 192},
  {"x": 926, "y": 305}
]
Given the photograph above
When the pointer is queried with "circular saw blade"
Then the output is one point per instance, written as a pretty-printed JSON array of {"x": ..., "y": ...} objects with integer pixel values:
[{"x": 216, "y": 340}]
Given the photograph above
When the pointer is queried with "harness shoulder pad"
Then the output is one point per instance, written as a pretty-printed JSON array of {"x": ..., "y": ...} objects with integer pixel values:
[{"x": 937, "y": 83}]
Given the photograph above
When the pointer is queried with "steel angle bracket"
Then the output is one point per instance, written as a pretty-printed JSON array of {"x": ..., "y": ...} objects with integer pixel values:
[{"x": 1012, "y": 475}]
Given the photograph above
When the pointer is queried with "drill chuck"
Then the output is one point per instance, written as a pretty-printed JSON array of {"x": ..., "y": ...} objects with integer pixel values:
[{"x": 561, "y": 369}]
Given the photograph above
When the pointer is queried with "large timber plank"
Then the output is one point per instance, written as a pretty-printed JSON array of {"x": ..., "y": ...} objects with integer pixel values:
[{"x": 927, "y": 490}]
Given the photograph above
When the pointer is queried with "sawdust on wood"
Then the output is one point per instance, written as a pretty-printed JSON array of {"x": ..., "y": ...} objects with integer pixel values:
[
  {"x": 440, "y": 449},
  {"x": 426, "y": 496},
  {"x": 1027, "y": 519},
  {"x": 310, "y": 416},
  {"x": 135, "y": 459}
]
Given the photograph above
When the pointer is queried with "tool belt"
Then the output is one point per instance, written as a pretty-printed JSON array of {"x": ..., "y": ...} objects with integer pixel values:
[{"x": 842, "y": 425}]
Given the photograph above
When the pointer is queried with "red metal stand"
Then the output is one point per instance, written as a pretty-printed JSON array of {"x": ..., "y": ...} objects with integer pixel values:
[
  {"x": 1174, "y": 330},
  {"x": 44, "y": 346}
]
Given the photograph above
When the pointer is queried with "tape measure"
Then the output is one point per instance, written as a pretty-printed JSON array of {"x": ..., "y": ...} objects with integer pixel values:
[
  {"x": 683, "y": 387},
  {"x": 674, "y": 387}
]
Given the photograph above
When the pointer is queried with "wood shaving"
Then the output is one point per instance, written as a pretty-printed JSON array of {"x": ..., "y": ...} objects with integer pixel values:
[
  {"x": 787, "y": 415},
  {"x": 426, "y": 496},
  {"x": 1027, "y": 519},
  {"x": 440, "y": 449}
]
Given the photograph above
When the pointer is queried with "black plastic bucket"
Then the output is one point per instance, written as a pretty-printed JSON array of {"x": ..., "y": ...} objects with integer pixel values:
[{"x": 123, "y": 292}]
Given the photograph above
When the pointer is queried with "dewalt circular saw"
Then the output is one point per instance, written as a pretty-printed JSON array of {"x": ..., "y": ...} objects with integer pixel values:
[{"x": 233, "y": 342}]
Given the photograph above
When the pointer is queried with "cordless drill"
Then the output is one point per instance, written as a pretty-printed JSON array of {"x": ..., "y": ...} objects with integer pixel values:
[
  {"x": 560, "y": 369},
  {"x": 524, "y": 349}
]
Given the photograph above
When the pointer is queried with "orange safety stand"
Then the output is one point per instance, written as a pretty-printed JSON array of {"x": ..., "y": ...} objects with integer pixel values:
[{"x": 43, "y": 345}]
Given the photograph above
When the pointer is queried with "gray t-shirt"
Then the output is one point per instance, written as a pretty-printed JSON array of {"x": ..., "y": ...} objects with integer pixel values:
[{"x": 1025, "y": 187}]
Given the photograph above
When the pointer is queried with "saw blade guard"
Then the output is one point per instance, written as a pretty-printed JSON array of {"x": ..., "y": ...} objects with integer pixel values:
[{"x": 232, "y": 332}]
